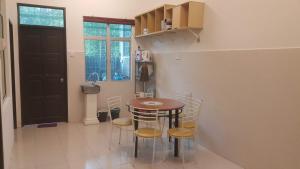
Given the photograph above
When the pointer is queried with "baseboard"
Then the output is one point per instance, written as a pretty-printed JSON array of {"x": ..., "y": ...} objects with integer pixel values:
[{"x": 92, "y": 121}]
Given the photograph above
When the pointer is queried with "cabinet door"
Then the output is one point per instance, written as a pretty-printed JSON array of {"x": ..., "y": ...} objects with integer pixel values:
[
  {"x": 180, "y": 17},
  {"x": 195, "y": 15},
  {"x": 176, "y": 17}
]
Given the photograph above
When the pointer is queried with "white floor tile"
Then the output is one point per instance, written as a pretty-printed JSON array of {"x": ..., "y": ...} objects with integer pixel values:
[{"x": 75, "y": 146}]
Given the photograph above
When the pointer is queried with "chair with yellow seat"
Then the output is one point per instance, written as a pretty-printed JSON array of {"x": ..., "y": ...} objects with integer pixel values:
[
  {"x": 185, "y": 98},
  {"x": 193, "y": 108},
  {"x": 115, "y": 104},
  {"x": 188, "y": 124},
  {"x": 190, "y": 105},
  {"x": 149, "y": 126},
  {"x": 150, "y": 95}
]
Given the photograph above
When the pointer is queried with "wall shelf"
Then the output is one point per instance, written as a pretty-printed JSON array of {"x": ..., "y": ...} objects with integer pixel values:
[
  {"x": 185, "y": 17},
  {"x": 193, "y": 31},
  {"x": 151, "y": 19}
]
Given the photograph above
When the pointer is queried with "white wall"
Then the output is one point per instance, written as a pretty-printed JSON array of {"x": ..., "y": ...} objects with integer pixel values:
[
  {"x": 250, "y": 114},
  {"x": 242, "y": 24},
  {"x": 246, "y": 68},
  {"x": 6, "y": 104},
  {"x": 75, "y": 10}
]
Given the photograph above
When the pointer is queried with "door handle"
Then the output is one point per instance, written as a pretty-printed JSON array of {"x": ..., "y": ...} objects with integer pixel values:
[{"x": 61, "y": 80}]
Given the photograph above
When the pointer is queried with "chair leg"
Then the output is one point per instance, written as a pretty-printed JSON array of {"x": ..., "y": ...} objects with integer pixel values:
[
  {"x": 133, "y": 136},
  {"x": 120, "y": 134},
  {"x": 170, "y": 123},
  {"x": 153, "y": 155},
  {"x": 110, "y": 140},
  {"x": 163, "y": 125},
  {"x": 194, "y": 145},
  {"x": 134, "y": 140},
  {"x": 161, "y": 141},
  {"x": 196, "y": 136},
  {"x": 163, "y": 148},
  {"x": 182, "y": 145},
  {"x": 169, "y": 145}
]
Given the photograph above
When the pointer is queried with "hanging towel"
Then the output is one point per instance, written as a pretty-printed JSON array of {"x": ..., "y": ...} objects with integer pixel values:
[{"x": 144, "y": 73}]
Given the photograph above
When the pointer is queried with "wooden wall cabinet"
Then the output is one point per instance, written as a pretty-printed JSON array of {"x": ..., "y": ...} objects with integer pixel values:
[
  {"x": 188, "y": 15},
  {"x": 195, "y": 18},
  {"x": 138, "y": 26},
  {"x": 180, "y": 17},
  {"x": 151, "y": 20}
]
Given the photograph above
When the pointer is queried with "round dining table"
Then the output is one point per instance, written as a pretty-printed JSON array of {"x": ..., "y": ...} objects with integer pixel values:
[{"x": 173, "y": 107}]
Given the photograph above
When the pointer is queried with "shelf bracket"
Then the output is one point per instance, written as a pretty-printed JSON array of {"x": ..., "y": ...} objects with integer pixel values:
[{"x": 197, "y": 36}]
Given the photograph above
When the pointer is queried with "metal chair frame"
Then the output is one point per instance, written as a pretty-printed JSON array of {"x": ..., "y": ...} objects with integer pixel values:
[
  {"x": 113, "y": 103},
  {"x": 191, "y": 114},
  {"x": 149, "y": 117}
]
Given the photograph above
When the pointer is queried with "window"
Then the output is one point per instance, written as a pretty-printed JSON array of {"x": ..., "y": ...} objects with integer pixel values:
[
  {"x": 107, "y": 41},
  {"x": 41, "y": 16},
  {"x": 95, "y": 51},
  {"x": 120, "y": 60}
]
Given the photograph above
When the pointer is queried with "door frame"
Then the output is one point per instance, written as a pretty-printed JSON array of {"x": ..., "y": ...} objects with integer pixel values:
[
  {"x": 12, "y": 60},
  {"x": 65, "y": 52}
]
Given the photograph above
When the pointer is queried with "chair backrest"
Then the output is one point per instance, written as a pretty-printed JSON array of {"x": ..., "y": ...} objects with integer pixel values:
[
  {"x": 144, "y": 95},
  {"x": 113, "y": 103},
  {"x": 185, "y": 98},
  {"x": 191, "y": 113},
  {"x": 146, "y": 116}
]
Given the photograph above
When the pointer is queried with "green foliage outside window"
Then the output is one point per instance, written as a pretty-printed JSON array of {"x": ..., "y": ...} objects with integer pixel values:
[
  {"x": 94, "y": 29},
  {"x": 120, "y": 60},
  {"x": 95, "y": 60},
  {"x": 41, "y": 16},
  {"x": 120, "y": 31}
]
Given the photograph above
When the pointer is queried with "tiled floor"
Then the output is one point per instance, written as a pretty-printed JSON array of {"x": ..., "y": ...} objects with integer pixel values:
[{"x": 74, "y": 146}]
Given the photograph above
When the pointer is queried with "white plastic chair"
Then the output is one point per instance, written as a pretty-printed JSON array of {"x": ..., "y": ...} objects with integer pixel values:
[{"x": 114, "y": 103}]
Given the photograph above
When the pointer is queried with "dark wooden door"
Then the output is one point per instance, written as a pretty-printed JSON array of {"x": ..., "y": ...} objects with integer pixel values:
[{"x": 43, "y": 74}]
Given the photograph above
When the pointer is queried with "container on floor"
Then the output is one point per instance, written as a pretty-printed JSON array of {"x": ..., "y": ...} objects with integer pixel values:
[{"x": 102, "y": 115}]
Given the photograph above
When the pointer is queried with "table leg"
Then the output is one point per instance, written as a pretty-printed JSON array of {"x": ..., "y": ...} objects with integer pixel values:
[
  {"x": 170, "y": 122},
  {"x": 176, "y": 126},
  {"x": 136, "y": 125}
]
